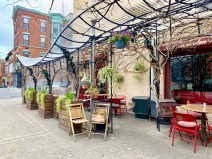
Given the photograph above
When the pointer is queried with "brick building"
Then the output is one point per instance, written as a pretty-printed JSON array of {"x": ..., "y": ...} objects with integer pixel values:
[
  {"x": 32, "y": 38},
  {"x": 2, "y": 72}
]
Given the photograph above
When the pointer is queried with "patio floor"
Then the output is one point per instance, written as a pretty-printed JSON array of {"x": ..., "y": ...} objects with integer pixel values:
[{"x": 23, "y": 134}]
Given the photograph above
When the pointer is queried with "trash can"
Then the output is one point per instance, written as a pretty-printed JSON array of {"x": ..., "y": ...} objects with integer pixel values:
[{"x": 141, "y": 106}]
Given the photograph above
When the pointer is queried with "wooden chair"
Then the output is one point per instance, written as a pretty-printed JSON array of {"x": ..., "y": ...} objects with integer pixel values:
[
  {"x": 77, "y": 116},
  {"x": 100, "y": 116}
]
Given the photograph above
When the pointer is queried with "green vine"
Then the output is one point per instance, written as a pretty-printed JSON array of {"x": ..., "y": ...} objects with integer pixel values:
[
  {"x": 46, "y": 75},
  {"x": 32, "y": 74},
  {"x": 29, "y": 93}
]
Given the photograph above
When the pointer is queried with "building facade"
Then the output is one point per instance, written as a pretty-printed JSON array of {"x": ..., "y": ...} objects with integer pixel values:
[
  {"x": 187, "y": 75},
  {"x": 34, "y": 33},
  {"x": 32, "y": 38},
  {"x": 2, "y": 73}
]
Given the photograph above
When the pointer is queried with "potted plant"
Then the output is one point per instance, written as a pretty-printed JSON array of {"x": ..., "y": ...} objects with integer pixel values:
[
  {"x": 93, "y": 92},
  {"x": 120, "y": 40},
  {"x": 138, "y": 66},
  {"x": 62, "y": 104},
  {"x": 105, "y": 73},
  {"x": 45, "y": 103},
  {"x": 30, "y": 96},
  {"x": 118, "y": 78},
  {"x": 40, "y": 98}
]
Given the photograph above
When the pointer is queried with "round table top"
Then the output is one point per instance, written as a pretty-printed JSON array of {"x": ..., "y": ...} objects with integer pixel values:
[
  {"x": 98, "y": 95},
  {"x": 198, "y": 108}
]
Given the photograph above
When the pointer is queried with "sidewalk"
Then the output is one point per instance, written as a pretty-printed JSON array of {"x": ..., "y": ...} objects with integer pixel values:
[{"x": 24, "y": 135}]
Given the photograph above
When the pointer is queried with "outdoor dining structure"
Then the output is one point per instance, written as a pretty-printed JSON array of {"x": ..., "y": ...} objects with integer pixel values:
[{"x": 109, "y": 39}]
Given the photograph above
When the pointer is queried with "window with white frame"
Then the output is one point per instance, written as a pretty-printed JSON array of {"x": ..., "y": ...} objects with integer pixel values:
[
  {"x": 43, "y": 26},
  {"x": 26, "y": 23},
  {"x": 26, "y": 39},
  {"x": 55, "y": 28},
  {"x": 42, "y": 42}
]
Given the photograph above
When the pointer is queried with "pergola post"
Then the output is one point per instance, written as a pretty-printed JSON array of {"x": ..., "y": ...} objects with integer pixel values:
[
  {"x": 111, "y": 85},
  {"x": 92, "y": 64}
]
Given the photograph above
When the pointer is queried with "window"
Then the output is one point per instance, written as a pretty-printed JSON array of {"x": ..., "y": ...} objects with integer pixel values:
[
  {"x": 26, "y": 39},
  {"x": 43, "y": 42},
  {"x": 26, "y": 53},
  {"x": 192, "y": 73},
  {"x": 55, "y": 28},
  {"x": 26, "y": 23},
  {"x": 42, "y": 54},
  {"x": 43, "y": 26}
]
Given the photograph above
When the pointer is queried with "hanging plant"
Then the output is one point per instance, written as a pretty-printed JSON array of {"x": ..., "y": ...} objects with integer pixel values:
[
  {"x": 138, "y": 66},
  {"x": 120, "y": 40},
  {"x": 59, "y": 102},
  {"x": 106, "y": 73},
  {"x": 29, "y": 93},
  {"x": 118, "y": 78}
]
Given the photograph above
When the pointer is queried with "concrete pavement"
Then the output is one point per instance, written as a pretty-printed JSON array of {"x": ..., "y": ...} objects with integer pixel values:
[{"x": 24, "y": 135}]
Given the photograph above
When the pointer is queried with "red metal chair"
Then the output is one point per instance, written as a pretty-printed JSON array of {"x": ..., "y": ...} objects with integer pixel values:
[
  {"x": 209, "y": 129},
  {"x": 186, "y": 123},
  {"x": 116, "y": 105},
  {"x": 172, "y": 108},
  {"x": 123, "y": 103}
]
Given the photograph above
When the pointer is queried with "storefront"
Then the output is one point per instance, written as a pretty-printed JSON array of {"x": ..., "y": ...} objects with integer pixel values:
[{"x": 190, "y": 72}]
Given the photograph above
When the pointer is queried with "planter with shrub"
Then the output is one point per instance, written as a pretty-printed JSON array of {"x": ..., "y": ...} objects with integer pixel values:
[
  {"x": 62, "y": 104},
  {"x": 30, "y": 96},
  {"x": 45, "y": 102}
]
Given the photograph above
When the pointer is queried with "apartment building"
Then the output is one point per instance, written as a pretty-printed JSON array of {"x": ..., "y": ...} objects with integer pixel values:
[{"x": 34, "y": 32}]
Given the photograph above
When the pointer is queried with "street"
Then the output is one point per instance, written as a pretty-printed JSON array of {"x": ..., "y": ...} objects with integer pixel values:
[{"x": 8, "y": 93}]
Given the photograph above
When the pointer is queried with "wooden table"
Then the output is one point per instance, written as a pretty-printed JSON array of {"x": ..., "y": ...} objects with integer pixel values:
[{"x": 199, "y": 108}]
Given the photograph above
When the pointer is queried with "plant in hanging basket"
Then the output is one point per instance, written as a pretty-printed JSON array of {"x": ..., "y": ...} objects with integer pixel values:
[
  {"x": 138, "y": 66},
  {"x": 118, "y": 78},
  {"x": 120, "y": 40},
  {"x": 106, "y": 73}
]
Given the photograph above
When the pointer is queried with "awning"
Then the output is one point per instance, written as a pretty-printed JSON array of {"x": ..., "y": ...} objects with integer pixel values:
[
  {"x": 115, "y": 15},
  {"x": 196, "y": 43}
]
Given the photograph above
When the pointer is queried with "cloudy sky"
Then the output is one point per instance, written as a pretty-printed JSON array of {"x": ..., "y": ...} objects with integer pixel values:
[{"x": 6, "y": 23}]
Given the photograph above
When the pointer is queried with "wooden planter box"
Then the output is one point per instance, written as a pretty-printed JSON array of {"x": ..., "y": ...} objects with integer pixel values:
[
  {"x": 47, "y": 110},
  {"x": 32, "y": 105},
  {"x": 64, "y": 120},
  {"x": 55, "y": 113}
]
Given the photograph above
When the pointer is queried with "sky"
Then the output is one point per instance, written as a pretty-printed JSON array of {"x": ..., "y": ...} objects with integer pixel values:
[{"x": 6, "y": 23}]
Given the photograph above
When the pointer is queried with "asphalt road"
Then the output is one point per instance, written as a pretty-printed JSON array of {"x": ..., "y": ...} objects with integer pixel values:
[{"x": 9, "y": 93}]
